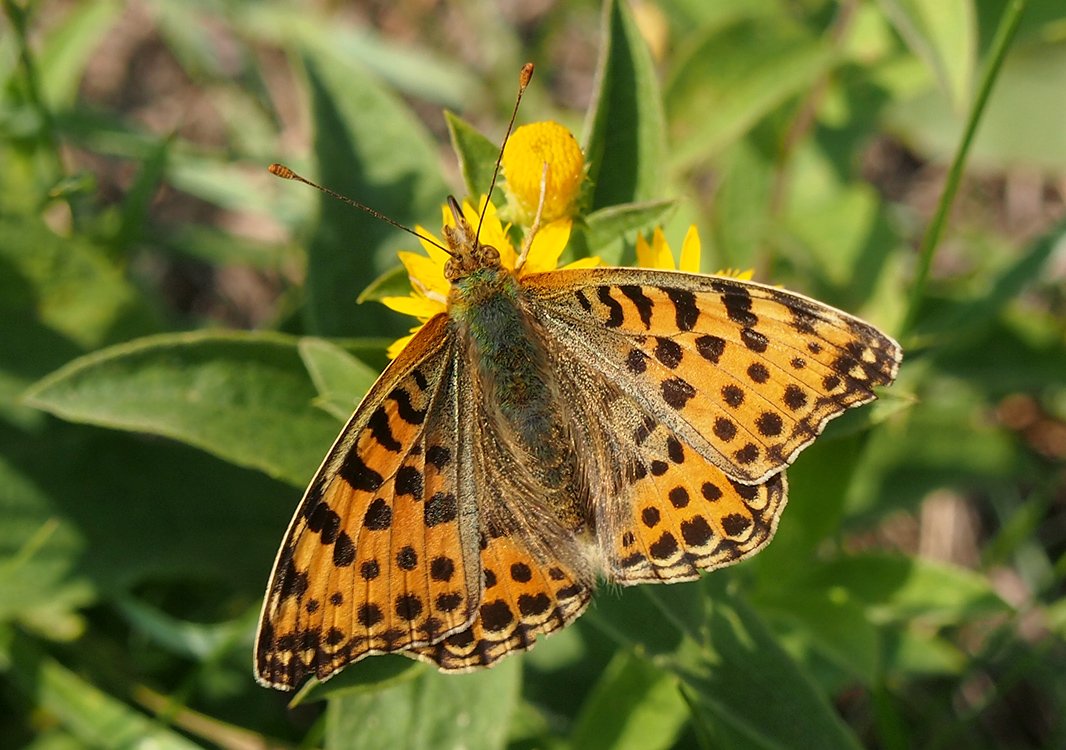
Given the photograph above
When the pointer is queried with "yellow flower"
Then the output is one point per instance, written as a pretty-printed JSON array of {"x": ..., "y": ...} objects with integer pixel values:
[
  {"x": 659, "y": 255},
  {"x": 429, "y": 287},
  {"x": 543, "y": 169},
  {"x": 542, "y": 157}
]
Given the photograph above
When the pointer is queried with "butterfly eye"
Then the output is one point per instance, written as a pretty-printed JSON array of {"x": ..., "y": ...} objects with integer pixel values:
[{"x": 489, "y": 256}]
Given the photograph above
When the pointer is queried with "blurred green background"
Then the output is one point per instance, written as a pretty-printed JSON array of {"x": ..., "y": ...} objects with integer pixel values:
[{"x": 180, "y": 339}]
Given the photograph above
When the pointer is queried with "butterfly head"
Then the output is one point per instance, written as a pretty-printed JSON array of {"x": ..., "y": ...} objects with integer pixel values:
[{"x": 467, "y": 253}]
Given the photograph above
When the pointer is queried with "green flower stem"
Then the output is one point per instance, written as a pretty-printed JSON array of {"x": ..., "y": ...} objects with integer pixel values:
[{"x": 1008, "y": 25}]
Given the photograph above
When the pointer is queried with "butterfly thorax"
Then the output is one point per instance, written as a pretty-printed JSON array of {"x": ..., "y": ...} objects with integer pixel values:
[{"x": 506, "y": 352}]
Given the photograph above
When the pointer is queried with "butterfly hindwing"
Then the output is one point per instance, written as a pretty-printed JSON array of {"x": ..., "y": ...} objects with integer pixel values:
[
  {"x": 376, "y": 559},
  {"x": 746, "y": 374},
  {"x": 663, "y": 512},
  {"x": 535, "y": 575},
  {"x": 524, "y": 597},
  {"x": 682, "y": 514}
]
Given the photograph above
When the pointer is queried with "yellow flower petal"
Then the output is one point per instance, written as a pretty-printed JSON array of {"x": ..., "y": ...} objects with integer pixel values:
[
  {"x": 657, "y": 255},
  {"x": 432, "y": 250},
  {"x": 736, "y": 273},
  {"x": 414, "y": 305},
  {"x": 690, "y": 251},
  {"x": 425, "y": 271},
  {"x": 400, "y": 344},
  {"x": 590, "y": 262},
  {"x": 645, "y": 259},
  {"x": 661, "y": 250},
  {"x": 548, "y": 246}
]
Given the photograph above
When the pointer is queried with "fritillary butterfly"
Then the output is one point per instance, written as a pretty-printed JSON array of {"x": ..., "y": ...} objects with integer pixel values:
[{"x": 545, "y": 431}]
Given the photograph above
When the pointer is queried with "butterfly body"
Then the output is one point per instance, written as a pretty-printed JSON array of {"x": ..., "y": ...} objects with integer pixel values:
[
  {"x": 546, "y": 431},
  {"x": 499, "y": 343}
]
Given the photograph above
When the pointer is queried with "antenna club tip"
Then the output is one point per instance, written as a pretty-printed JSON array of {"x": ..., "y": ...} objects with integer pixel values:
[
  {"x": 280, "y": 170},
  {"x": 526, "y": 75}
]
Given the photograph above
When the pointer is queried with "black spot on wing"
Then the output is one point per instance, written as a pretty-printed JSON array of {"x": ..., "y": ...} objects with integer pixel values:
[
  {"x": 404, "y": 408},
  {"x": 687, "y": 313},
  {"x": 614, "y": 315},
  {"x": 640, "y": 300},
  {"x": 356, "y": 473},
  {"x": 382, "y": 432}
]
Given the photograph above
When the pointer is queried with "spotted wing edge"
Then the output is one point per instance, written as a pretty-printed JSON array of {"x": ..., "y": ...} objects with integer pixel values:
[
  {"x": 550, "y": 285},
  {"x": 434, "y": 339}
]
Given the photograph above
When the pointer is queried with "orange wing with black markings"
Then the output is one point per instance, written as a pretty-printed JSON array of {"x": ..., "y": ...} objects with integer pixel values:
[
  {"x": 376, "y": 559},
  {"x": 746, "y": 374}
]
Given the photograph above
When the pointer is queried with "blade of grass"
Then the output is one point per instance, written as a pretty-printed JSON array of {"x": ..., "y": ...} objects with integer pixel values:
[
  {"x": 1008, "y": 25},
  {"x": 19, "y": 18}
]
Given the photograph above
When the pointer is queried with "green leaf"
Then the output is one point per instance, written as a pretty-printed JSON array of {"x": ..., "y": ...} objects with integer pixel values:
[
  {"x": 96, "y": 718},
  {"x": 634, "y": 706},
  {"x": 69, "y": 46},
  {"x": 740, "y": 215},
  {"x": 831, "y": 623},
  {"x": 625, "y": 142},
  {"x": 370, "y": 147},
  {"x": 902, "y": 589},
  {"x": 189, "y": 639},
  {"x": 1001, "y": 290},
  {"x": 244, "y": 397},
  {"x": 369, "y": 675},
  {"x": 817, "y": 490},
  {"x": 944, "y": 36},
  {"x": 846, "y": 238},
  {"x": 121, "y": 510},
  {"x": 393, "y": 283},
  {"x": 434, "y": 710},
  {"x": 341, "y": 379},
  {"x": 358, "y": 51},
  {"x": 605, "y": 231},
  {"x": 58, "y": 297},
  {"x": 39, "y": 552},
  {"x": 228, "y": 184},
  {"x": 1020, "y": 125},
  {"x": 67, "y": 285},
  {"x": 734, "y": 75},
  {"x": 219, "y": 248},
  {"x": 910, "y": 652},
  {"x": 742, "y": 688},
  {"x": 477, "y": 154},
  {"x": 133, "y": 214}
]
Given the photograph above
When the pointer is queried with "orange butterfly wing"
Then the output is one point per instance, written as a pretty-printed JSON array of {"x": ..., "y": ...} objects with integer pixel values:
[
  {"x": 525, "y": 597},
  {"x": 677, "y": 513},
  {"x": 746, "y": 374},
  {"x": 376, "y": 559},
  {"x": 714, "y": 386}
]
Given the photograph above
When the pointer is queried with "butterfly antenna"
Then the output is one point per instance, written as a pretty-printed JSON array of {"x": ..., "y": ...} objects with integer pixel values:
[
  {"x": 280, "y": 170},
  {"x": 523, "y": 80}
]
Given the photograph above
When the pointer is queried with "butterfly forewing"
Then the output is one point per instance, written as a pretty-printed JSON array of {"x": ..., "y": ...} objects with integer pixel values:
[
  {"x": 746, "y": 374},
  {"x": 376, "y": 559}
]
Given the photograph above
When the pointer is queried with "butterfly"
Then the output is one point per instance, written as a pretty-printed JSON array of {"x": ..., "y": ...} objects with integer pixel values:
[{"x": 545, "y": 432}]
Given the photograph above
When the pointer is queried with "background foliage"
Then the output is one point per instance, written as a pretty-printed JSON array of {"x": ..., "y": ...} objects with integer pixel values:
[{"x": 179, "y": 341}]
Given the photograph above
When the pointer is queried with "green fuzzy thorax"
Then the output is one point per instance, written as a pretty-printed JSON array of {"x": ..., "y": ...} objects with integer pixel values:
[{"x": 511, "y": 363}]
